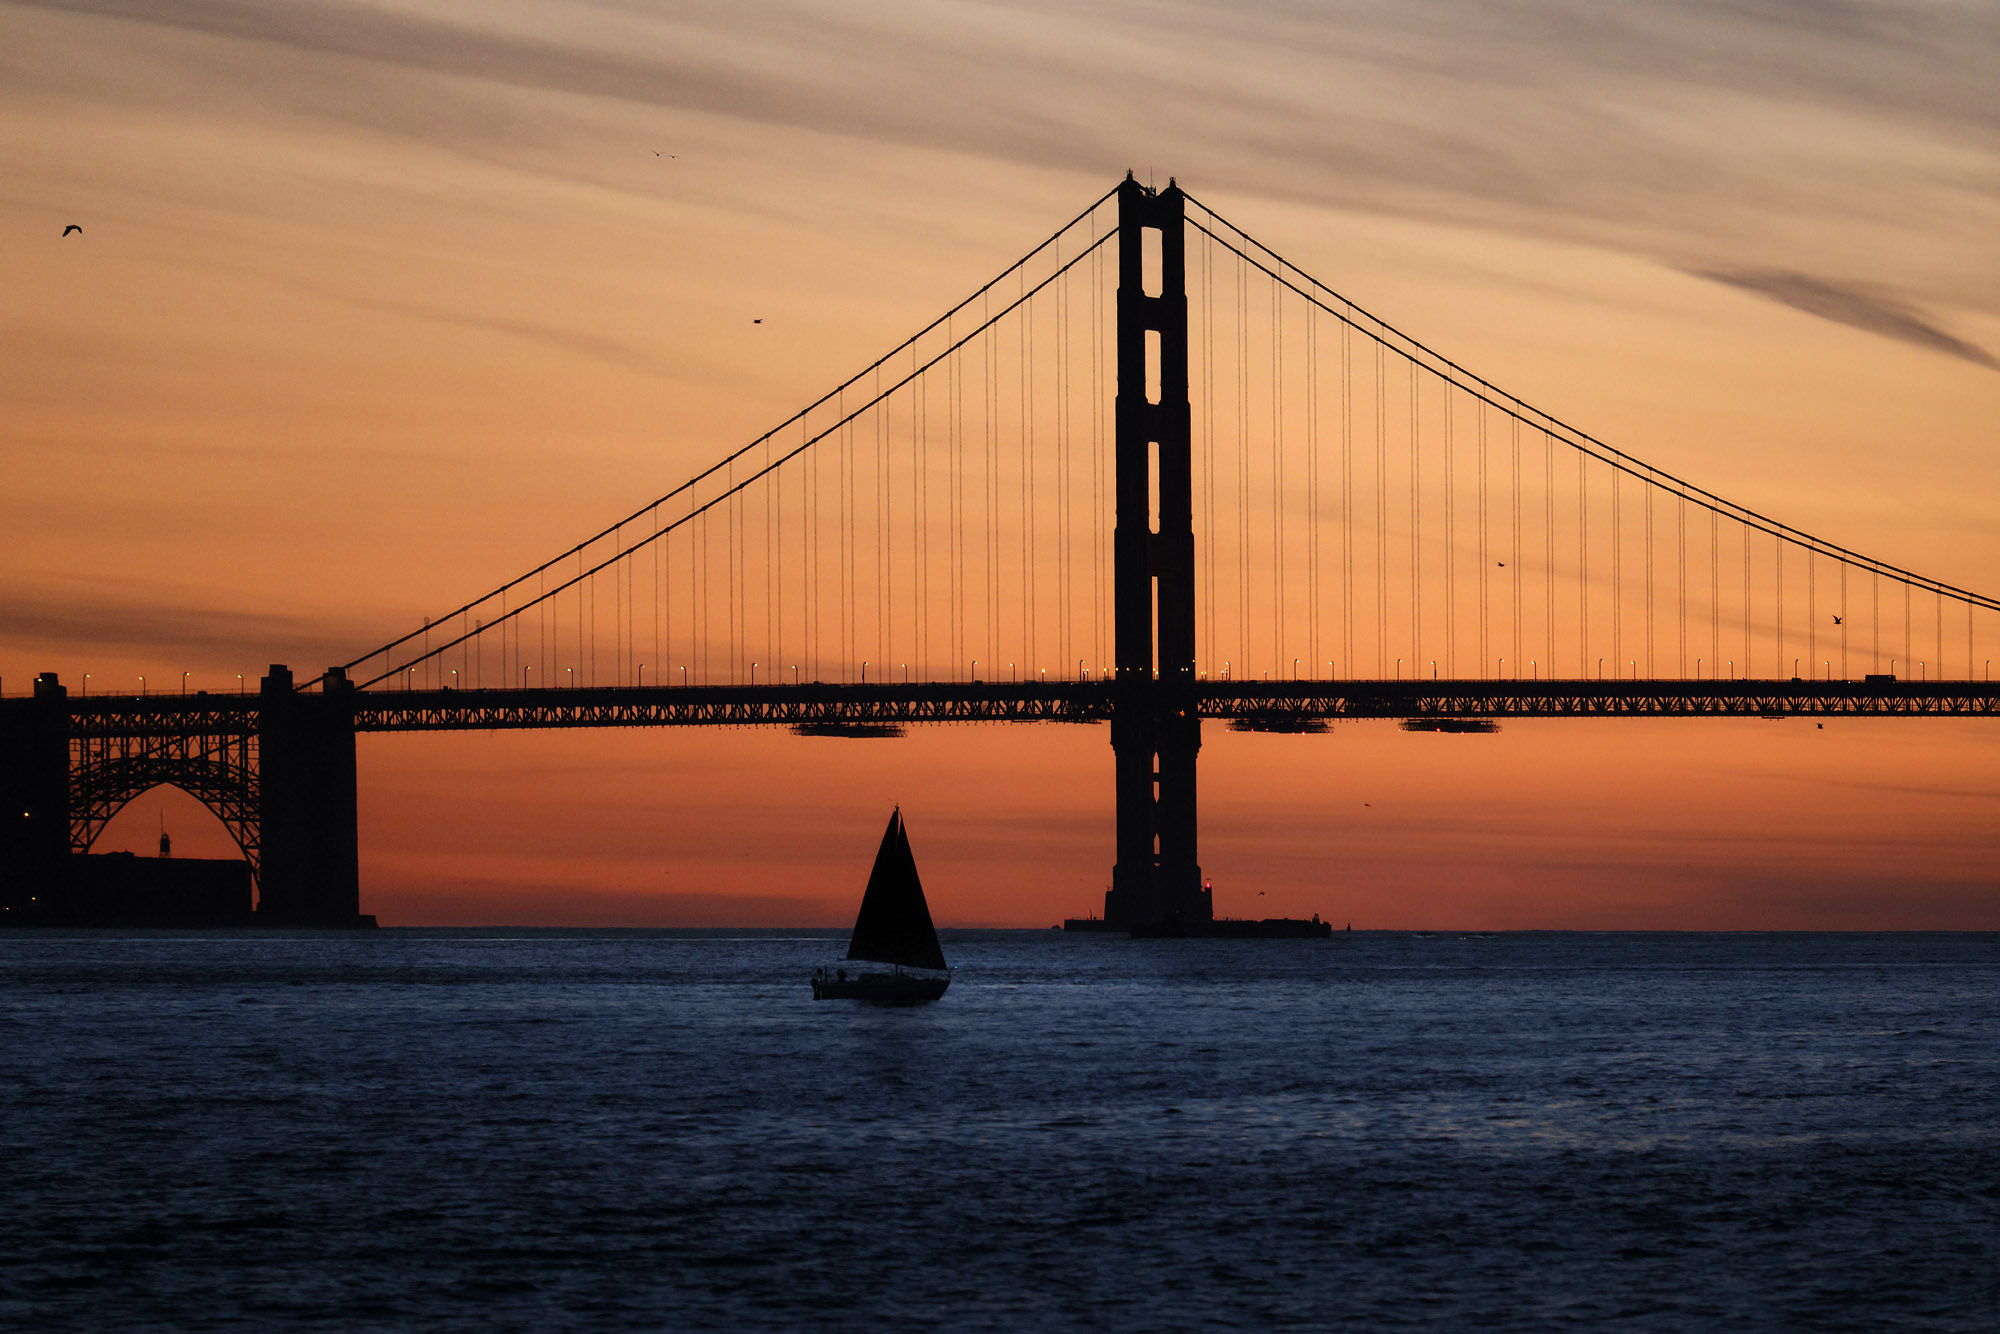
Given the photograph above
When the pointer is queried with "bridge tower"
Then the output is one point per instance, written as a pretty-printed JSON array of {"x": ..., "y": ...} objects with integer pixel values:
[
  {"x": 1154, "y": 729},
  {"x": 310, "y": 873},
  {"x": 34, "y": 793}
]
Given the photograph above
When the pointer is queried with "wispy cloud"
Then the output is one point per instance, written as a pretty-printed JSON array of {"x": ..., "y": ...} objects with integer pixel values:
[
  {"x": 153, "y": 624},
  {"x": 576, "y": 341},
  {"x": 1654, "y": 126},
  {"x": 1849, "y": 305}
]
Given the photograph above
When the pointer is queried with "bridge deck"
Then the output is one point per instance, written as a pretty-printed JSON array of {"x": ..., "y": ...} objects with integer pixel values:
[{"x": 1262, "y": 705}]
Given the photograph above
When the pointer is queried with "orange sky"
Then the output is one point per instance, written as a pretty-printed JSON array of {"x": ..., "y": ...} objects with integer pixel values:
[{"x": 377, "y": 304}]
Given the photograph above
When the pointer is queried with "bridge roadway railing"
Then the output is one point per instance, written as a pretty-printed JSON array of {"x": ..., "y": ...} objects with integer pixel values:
[
  {"x": 834, "y": 706},
  {"x": 1795, "y": 698}
]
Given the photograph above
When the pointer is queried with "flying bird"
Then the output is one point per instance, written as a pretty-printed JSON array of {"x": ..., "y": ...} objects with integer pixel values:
[
  {"x": 72, "y": 228},
  {"x": 1836, "y": 620},
  {"x": 1502, "y": 564},
  {"x": 756, "y": 321}
]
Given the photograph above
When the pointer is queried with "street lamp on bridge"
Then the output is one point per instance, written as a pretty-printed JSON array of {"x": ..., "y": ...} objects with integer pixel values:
[
  {"x": 86, "y": 684},
  {"x": 184, "y": 683},
  {"x": 570, "y": 682},
  {"x": 524, "y": 676},
  {"x": 142, "y": 687},
  {"x": 753, "y": 673},
  {"x": 642, "y": 676}
]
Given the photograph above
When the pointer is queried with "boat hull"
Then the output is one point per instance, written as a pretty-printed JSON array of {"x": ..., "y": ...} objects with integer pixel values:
[{"x": 879, "y": 988}]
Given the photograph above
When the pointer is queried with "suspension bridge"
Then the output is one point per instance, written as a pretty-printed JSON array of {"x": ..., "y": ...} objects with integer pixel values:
[{"x": 1152, "y": 474}]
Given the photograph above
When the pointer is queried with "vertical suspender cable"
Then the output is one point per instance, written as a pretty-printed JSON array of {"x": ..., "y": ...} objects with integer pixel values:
[
  {"x": 1062, "y": 474},
  {"x": 1617, "y": 577},
  {"x": 1416, "y": 524},
  {"x": 1681, "y": 576},
  {"x": 1381, "y": 517},
  {"x": 1347, "y": 494},
  {"x": 1514, "y": 550},
  {"x": 1747, "y": 596},
  {"x": 1778, "y": 560},
  {"x": 1651, "y": 487},
  {"x": 1027, "y": 368},
  {"x": 1486, "y": 664},
  {"x": 1208, "y": 480},
  {"x": 1450, "y": 541},
  {"x": 1582, "y": 564},
  {"x": 1549, "y": 552},
  {"x": 920, "y": 532},
  {"x": 1714, "y": 592},
  {"x": 1312, "y": 485},
  {"x": 1277, "y": 477},
  {"x": 1243, "y": 465}
]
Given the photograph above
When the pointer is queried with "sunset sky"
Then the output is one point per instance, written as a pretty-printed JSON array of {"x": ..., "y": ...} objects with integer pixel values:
[{"x": 376, "y": 304}]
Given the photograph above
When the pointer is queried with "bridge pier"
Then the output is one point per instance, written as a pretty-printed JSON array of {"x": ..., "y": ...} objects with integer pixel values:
[
  {"x": 34, "y": 794},
  {"x": 310, "y": 873},
  {"x": 1155, "y": 729}
]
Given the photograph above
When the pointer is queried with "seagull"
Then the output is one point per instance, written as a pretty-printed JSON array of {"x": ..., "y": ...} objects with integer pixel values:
[
  {"x": 1836, "y": 620},
  {"x": 72, "y": 228},
  {"x": 1502, "y": 564},
  {"x": 756, "y": 321}
]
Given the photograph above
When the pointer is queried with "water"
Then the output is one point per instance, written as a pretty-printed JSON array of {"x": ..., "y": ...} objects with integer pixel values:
[{"x": 645, "y": 1130}]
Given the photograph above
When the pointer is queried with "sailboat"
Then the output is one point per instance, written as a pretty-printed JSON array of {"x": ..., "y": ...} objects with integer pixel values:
[{"x": 894, "y": 928}]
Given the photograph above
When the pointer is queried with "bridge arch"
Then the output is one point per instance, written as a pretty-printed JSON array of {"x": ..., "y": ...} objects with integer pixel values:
[{"x": 223, "y": 779}]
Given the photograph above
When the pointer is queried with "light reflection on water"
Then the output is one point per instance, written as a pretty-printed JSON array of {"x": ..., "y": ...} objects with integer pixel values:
[{"x": 487, "y": 1129}]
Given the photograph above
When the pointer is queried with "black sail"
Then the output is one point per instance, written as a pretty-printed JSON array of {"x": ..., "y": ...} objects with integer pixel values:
[{"x": 895, "y": 922}]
